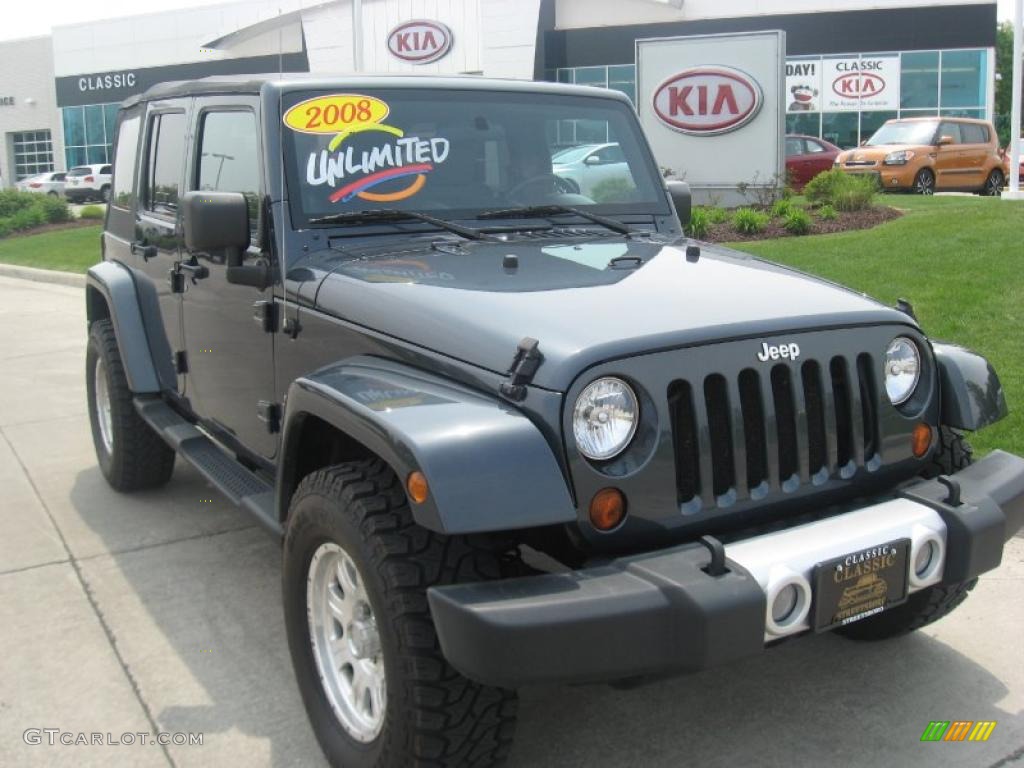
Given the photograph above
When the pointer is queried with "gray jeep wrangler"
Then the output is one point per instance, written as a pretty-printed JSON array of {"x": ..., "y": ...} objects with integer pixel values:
[{"x": 446, "y": 338}]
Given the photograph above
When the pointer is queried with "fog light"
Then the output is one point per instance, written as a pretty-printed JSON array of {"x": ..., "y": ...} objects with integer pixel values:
[
  {"x": 921, "y": 440},
  {"x": 924, "y": 559},
  {"x": 607, "y": 509},
  {"x": 785, "y": 603},
  {"x": 417, "y": 486}
]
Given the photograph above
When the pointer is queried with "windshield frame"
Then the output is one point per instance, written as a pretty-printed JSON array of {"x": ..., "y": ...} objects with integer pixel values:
[{"x": 301, "y": 219}]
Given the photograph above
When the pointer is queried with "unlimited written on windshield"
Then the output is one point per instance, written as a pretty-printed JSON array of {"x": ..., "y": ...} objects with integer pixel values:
[{"x": 460, "y": 152}]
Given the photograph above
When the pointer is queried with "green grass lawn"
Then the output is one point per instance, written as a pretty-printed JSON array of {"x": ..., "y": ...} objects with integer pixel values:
[
  {"x": 70, "y": 250},
  {"x": 959, "y": 260}
]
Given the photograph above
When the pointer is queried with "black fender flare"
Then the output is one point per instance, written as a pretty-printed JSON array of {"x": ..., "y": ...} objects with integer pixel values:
[
  {"x": 487, "y": 465},
  {"x": 114, "y": 282},
  {"x": 972, "y": 395}
]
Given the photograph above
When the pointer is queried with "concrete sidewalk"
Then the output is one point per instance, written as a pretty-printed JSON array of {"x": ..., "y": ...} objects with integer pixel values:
[{"x": 161, "y": 612}]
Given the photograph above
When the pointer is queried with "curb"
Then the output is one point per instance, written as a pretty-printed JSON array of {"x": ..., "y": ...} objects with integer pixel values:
[{"x": 42, "y": 275}]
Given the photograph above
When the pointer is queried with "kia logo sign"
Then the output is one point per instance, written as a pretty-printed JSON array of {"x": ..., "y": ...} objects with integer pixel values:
[
  {"x": 420, "y": 42},
  {"x": 706, "y": 101},
  {"x": 858, "y": 85}
]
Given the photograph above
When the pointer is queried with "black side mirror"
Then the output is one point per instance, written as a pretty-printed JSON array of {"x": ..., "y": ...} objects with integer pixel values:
[
  {"x": 682, "y": 200},
  {"x": 215, "y": 221},
  {"x": 219, "y": 221}
]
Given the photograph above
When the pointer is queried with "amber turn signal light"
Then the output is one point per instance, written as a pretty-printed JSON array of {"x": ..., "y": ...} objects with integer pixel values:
[
  {"x": 416, "y": 485},
  {"x": 921, "y": 440},
  {"x": 607, "y": 509}
]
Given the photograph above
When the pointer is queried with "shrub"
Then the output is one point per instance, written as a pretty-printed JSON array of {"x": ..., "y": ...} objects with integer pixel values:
[
  {"x": 747, "y": 221},
  {"x": 25, "y": 210},
  {"x": 27, "y": 218},
  {"x": 797, "y": 222},
  {"x": 841, "y": 190},
  {"x": 700, "y": 223},
  {"x": 717, "y": 215},
  {"x": 782, "y": 208},
  {"x": 613, "y": 191},
  {"x": 91, "y": 212},
  {"x": 54, "y": 208},
  {"x": 856, "y": 194},
  {"x": 827, "y": 213}
]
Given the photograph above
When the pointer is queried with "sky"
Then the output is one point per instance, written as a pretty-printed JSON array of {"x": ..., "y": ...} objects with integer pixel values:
[{"x": 26, "y": 19}]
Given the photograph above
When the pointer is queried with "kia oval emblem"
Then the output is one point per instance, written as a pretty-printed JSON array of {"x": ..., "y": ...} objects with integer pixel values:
[
  {"x": 858, "y": 85},
  {"x": 420, "y": 41},
  {"x": 707, "y": 101}
]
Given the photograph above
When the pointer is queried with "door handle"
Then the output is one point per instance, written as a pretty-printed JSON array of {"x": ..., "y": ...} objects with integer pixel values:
[{"x": 147, "y": 252}]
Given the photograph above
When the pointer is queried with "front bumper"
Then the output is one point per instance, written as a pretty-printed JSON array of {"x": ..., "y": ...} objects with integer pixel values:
[{"x": 660, "y": 613}]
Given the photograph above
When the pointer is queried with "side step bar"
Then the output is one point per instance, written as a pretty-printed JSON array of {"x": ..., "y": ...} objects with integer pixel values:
[{"x": 244, "y": 488}]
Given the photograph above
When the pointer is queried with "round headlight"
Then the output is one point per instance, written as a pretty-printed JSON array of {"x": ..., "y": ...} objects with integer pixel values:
[
  {"x": 605, "y": 418},
  {"x": 902, "y": 369}
]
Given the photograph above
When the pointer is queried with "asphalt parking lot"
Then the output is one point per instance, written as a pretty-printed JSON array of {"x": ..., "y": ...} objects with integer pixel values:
[{"x": 161, "y": 612}]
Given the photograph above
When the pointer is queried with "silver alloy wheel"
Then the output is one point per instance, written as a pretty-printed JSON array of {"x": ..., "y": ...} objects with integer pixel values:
[
  {"x": 925, "y": 184},
  {"x": 346, "y": 643},
  {"x": 995, "y": 183},
  {"x": 101, "y": 395}
]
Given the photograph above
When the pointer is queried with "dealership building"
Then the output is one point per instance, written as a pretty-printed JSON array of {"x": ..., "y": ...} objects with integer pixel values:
[{"x": 850, "y": 64}]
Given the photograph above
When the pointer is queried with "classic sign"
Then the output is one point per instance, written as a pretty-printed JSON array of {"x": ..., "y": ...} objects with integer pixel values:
[
  {"x": 420, "y": 42},
  {"x": 707, "y": 101}
]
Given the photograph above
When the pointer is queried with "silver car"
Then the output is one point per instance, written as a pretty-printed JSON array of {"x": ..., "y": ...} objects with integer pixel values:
[
  {"x": 592, "y": 168},
  {"x": 51, "y": 183}
]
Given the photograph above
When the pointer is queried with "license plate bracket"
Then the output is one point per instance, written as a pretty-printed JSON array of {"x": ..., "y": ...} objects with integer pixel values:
[{"x": 860, "y": 584}]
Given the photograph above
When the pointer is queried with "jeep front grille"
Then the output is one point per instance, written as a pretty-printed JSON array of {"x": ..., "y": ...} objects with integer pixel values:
[{"x": 766, "y": 430}]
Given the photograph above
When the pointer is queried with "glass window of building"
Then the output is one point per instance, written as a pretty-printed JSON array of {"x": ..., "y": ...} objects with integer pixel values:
[
  {"x": 963, "y": 79},
  {"x": 89, "y": 133},
  {"x": 841, "y": 128},
  {"x": 919, "y": 80},
  {"x": 33, "y": 153}
]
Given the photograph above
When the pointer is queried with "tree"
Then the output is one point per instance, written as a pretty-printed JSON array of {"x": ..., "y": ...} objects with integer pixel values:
[{"x": 1004, "y": 86}]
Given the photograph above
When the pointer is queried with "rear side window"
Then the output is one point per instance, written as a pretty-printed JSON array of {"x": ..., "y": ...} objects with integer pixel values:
[
  {"x": 57, "y": 177},
  {"x": 105, "y": 170},
  {"x": 124, "y": 161},
  {"x": 973, "y": 133},
  {"x": 163, "y": 170},
  {"x": 814, "y": 148},
  {"x": 953, "y": 131},
  {"x": 229, "y": 157},
  {"x": 794, "y": 147}
]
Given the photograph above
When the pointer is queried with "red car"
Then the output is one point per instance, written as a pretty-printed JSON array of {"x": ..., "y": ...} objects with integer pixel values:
[{"x": 806, "y": 157}]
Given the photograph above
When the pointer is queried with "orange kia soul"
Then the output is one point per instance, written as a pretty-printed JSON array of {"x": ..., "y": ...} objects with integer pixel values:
[{"x": 931, "y": 154}]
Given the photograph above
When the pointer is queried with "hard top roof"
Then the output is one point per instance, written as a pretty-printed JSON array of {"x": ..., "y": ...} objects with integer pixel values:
[{"x": 292, "y": 81}]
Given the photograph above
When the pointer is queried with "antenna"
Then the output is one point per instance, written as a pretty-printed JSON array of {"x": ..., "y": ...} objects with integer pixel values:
[{"x": 281, "y": 199}]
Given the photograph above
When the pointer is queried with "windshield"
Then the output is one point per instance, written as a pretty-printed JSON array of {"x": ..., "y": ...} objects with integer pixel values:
[
  {"x": 897, "y": 132},
  {"x": 458, "y": 153}
]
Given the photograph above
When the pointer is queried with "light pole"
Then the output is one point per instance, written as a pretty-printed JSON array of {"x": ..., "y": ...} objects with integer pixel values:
[{"x": 1014, "y": 193}]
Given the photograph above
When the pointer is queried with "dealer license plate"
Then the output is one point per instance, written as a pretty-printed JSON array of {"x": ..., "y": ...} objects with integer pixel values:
[{"x": 860, "y": 584}]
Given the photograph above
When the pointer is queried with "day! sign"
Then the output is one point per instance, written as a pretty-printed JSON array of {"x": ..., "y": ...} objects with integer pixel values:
[
  {"x": 861, "y": 83},
  {"x": 803, "y": 85}
]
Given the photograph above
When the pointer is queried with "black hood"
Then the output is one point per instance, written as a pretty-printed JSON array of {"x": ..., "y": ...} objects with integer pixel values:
[{"x": 585, "y": 301}]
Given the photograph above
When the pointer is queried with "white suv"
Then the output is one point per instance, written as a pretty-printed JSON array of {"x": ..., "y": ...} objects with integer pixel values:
[{"x": 88, "y": 182}]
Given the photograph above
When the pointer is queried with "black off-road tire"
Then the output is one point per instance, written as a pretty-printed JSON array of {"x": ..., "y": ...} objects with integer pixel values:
[
  {"x": 931, "y": 604},
  {"x": 434, "y": 715},
  {"x": 140, "y": 459}
]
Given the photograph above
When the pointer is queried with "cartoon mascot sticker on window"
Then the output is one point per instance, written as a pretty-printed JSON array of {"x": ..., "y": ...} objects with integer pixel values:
[{"x": 346, "y": 115}]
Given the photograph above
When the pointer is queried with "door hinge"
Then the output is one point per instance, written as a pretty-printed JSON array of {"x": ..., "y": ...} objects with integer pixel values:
[
  {"x": 270, "y": 414},
  {"x": 266, "y": 314},
  {"x": 524, "y": 365},
  {"x": 181, "y": 362}
]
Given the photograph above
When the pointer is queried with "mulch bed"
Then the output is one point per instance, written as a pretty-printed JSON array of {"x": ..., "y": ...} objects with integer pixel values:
[
  {"x": 844, "y": 222},
  {"x": 72, "y": 224}
]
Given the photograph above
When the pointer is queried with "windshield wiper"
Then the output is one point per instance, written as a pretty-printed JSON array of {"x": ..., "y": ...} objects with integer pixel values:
[
  {"x": 547, "y": 211},
  {"x": 386, "y": 215}
]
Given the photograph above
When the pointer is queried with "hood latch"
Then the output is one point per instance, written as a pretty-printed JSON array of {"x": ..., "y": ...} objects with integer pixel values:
[{"x": 524, "y": 365}]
